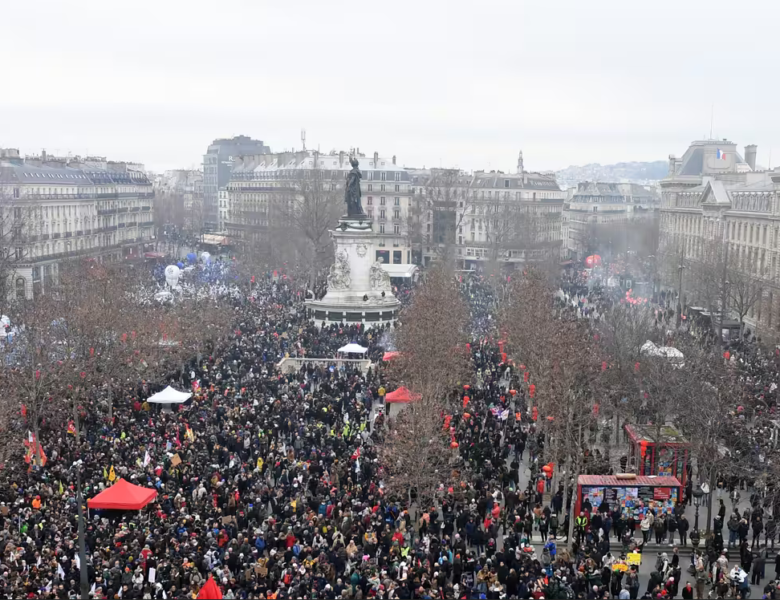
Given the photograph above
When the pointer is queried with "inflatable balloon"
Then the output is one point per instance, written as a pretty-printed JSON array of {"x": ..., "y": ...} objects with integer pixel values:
[
  {"x": 205, "y": 257},
  {"x": 172, "y": 274},
  {"x": 180, "y": 264},
  {"x": 192, "y": 257}
]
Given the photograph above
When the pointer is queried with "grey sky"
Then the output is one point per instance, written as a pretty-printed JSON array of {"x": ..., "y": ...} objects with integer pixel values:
[{"x": 445, "y": 82}]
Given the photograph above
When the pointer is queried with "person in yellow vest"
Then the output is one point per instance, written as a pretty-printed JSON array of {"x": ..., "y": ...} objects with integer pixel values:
[{"x": 381, "y": 391}]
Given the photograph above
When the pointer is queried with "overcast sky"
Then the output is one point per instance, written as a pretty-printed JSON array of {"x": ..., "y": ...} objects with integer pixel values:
[{"x": 436, "y": 82}]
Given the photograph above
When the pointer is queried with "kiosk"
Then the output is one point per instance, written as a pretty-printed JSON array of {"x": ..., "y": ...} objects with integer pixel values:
[
  {"x": 665, "y": 455},
  {"x": 635, "y": 494}
]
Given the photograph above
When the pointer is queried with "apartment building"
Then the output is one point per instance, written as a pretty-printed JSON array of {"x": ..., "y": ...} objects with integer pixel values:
[{"x": 56, "y": 209}]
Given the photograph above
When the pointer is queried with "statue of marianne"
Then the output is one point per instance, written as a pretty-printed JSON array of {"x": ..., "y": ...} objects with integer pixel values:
[{"x": 352, "y": 191}]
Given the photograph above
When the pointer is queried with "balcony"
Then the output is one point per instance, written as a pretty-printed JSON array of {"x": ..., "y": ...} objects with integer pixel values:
[
  {"x": 79, "y": 233},
  {"x": 132, "y": 223},
  {"x": 147, "y": 224},
  {"x": 110, "y": 228},
  {"x": 87, "y": 232},
  {"x": 121, "y": 210},
  {"x": 121, "y": 225},
  {"x": 135, "y": 209},
  {"x": 146, "y": 208},
  {"x": 57, "y": 197},
  {"x": 68, "y": 234},
  {"x": 109, "y": 195},
  {"x": 45, "y": 236},
  {"x": 107, "y": 211},
  {"x": 55, "y": 236}
]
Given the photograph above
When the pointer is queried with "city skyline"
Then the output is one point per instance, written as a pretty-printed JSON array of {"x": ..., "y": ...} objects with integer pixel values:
[{"x": 437, "y": 84}]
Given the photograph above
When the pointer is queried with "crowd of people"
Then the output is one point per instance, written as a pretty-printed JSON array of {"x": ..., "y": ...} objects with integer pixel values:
[{"x": 268, "y": 481}]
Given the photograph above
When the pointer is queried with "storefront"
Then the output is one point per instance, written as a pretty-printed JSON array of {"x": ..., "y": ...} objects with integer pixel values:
[
  {"x": 664, "y": 453},
  {"x": 635, "y": 494}
]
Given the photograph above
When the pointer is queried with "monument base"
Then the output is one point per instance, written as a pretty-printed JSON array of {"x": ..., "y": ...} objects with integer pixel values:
[{"x": 359, "y": 290}]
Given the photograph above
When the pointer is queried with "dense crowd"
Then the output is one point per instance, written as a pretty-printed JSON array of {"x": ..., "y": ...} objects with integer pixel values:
[{"x": 277, "y": 492}]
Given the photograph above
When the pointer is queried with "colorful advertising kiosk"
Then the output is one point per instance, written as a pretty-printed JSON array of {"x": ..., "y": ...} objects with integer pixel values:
[
  {"x": 634, "y": 494},
  {"x": 664, "y": 453}
]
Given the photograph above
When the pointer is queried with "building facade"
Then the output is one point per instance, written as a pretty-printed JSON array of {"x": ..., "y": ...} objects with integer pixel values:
[
  {"x": 593, "y": 204},
  {"x": 263, "y": 186},
  {"x": 217, "y": 165},
  {"x": 712, "y": 194},
  {"x": 495, "y": 217},
  {"x": 56, "y": 209}
]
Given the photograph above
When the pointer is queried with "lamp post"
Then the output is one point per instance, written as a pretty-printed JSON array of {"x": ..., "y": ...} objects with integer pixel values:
[{"x": 697, "y": 495}]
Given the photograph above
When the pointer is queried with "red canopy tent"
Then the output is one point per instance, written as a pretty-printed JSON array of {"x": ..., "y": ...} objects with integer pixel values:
[
  {"x": 123, "y": 495},
  {"x": 390, "y": 355},
  {"x": 402, "y": 394},
  {"x": 210, "y": 590}
]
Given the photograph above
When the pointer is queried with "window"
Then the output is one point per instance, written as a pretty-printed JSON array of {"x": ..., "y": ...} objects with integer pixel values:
[
  {"x": 383, "y": 176},
  {"x": 382, "y": 201},
  {"x": 382, "y": 187},
  {"x": 396, "y": 214},
  {"x": 397, "y": 177},
  {"x": 397, "y": 229},
  {"x": 506, "y": 183},
  {"x": 382, "y": 214},
  {"x": 19, "y": 253},
  {"x": 20, "y": 295},
  {"x": 370, "y": 200},
  {"x": 382, "y": 228},
  {"x": 397, "y": 257},
  {"x": 397, "y": 201},
  {"x": 397, "y": 188},
  {"x": 370, "y": 187}
]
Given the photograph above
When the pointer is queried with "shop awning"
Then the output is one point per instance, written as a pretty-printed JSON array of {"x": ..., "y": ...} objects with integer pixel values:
[{"x": 123, "y": 495}]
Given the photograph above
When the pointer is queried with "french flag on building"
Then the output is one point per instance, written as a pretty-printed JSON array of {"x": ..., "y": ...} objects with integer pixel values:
[{"x": 721, "y": 154}]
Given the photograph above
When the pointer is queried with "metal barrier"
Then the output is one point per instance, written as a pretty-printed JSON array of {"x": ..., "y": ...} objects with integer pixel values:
[{"x": 290, "y": 365}]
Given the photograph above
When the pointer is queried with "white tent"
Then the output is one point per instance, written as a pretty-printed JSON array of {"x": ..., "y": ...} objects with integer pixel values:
[
  {"x": 673, "y": 354},
  {"x": 169, "y": 396},
  {"x": 353, "y": 349}
]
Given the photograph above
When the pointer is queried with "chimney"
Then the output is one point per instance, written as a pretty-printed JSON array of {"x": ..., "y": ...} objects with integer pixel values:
[
  {"x": 341, "y": 158},
  {"x": 672, "y": 164},
  {"x": 43, "y": 155},
  {"x": 393, "y": 158},
  {"x": 376, "y": 159},
  {"x": 750, "y": 155},
  {"x": 520, "y": 167}
]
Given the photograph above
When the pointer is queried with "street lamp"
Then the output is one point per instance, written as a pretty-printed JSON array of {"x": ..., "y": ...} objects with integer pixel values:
[{"x": 697, "y": 495}]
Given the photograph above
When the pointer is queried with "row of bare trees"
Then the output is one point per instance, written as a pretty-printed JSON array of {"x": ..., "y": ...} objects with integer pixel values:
[
  {"x": 90, "y": 339},
  {"x": 591, "y": 379},
  {"x": 719, "y": 276}
]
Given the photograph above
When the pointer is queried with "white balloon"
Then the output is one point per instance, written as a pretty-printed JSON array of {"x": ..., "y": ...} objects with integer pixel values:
[
  {"x": 172, "y": 273},
  {"x": 206, "y": 257}
]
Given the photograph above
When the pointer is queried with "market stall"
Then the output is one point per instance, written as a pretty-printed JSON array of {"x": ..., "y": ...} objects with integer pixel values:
[
  {"x": 635, "y": 494},
  {"x": 123, "y": 495},
  {"x": 655, "y": 451}
]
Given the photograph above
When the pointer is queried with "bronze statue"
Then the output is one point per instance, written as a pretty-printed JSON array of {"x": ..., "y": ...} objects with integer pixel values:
[{"x": 352, "y": 191}]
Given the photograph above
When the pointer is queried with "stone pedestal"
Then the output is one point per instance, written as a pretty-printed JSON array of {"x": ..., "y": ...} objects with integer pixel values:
[{"x": 359, "y": 289}]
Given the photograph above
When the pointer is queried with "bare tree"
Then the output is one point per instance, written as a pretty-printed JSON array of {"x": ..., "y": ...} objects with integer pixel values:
[
  {"x": 433, "y": 362},
  {"x": 309, "y": 207},
  {"x": 746, "y": 282},
  {"x": 441, "y": 205}
]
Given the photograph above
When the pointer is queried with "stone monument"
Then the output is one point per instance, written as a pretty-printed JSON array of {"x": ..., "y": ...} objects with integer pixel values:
[{"x": 359, "y": 289}]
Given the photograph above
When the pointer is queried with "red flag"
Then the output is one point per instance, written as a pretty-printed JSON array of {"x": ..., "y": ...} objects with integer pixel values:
[
  {"x": 71, "y": 428},
  {"x": 24, "y": 410}
]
